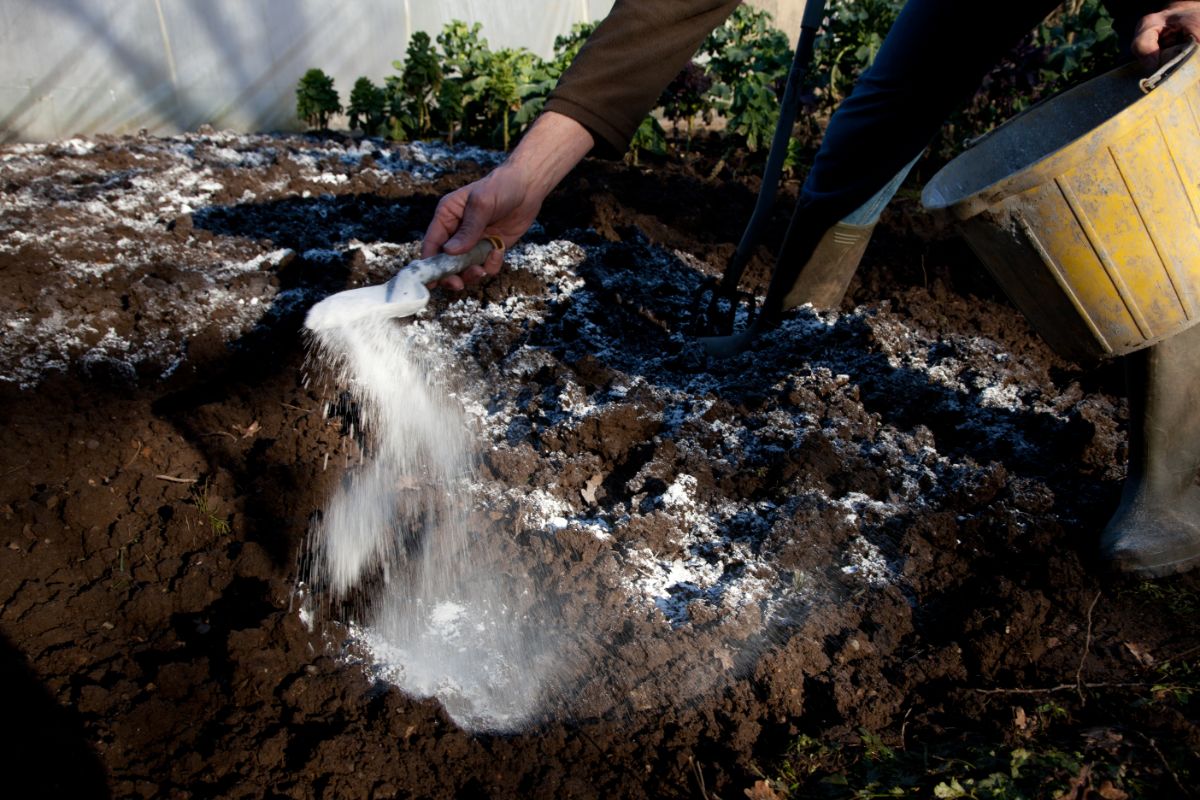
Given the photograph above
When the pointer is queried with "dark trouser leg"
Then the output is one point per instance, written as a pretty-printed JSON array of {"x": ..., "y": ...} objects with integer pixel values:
[
  {"x": 1156, "y": 530},
  {"x": 931, "y": 61}
]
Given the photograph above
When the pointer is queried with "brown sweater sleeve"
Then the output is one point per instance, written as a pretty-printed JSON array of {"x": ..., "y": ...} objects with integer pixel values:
[{"x": 627, "y": 62}]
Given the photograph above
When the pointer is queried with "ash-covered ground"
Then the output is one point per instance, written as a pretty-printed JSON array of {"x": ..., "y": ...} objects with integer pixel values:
[{"x": 881, "y": 519}]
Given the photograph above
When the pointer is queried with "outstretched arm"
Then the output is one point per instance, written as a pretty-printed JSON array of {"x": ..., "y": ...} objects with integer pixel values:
[
  {"x": 505, "y": 202},
  {"x": 1175, "y": 24},
  {"x": 600, "y": 100}
]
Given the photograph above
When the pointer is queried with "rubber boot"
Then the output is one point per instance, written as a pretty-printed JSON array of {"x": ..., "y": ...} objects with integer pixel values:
[
  {"x": 1156, "y": 530},
  {"x": 826, "y": 277},
  {"x": 827, "y": 273},
  {"x": 822, "y": 282}
]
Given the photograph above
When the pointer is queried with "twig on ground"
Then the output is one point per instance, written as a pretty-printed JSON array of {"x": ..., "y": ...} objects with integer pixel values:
[
  {"x": 174, "y": 479},
  {"x": 1166, "y": 764},
  {"x": 904, "y": 726},
  {"x": 1179, "y": 656},
  {"x": 15, "y": 469},
  {"x": 1067, "y": 687},
  {"x": 137, "y": 450},
  {"x": 1087, "y": 646},
  {"x": 699, "y": 777}
]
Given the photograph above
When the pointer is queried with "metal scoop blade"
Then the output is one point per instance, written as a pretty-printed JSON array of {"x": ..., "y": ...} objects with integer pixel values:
[{"x": 402, "y": 296}]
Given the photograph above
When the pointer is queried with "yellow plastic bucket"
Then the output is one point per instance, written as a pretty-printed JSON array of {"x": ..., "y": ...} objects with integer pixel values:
[{"x": 1086, "y": 209}]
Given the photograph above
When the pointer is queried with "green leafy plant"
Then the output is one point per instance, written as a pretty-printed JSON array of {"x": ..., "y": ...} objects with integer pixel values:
[
  {"x": 368, "y": 106},
  {"x": 1171, "y": 598},
  {"x": 748, "y": 62},
  {"x": 1175, "y": 679},
  {"x": 464, "y": 51},
  {"x": 850, "y": 38},
  {"x": 420, "y": 80},
  {"x": 316, "y": 99},
  {"x": 685, "y": 99},
  {"x": 461, "y": 89},
  {"x": 1044, "y": 765},
  {"x": 1074, "y": 42},
  {"x": 466, "y": 61},
  {"x": 535, "y": 80},
  {"x": 501, "y": 92},
  {"x": 1178, "y": 681},
  {"x": 796, "y": 156},
  {"x": 568, "y": 45},
  {"x": 649, "y": 138},
  {"x": 400, "y": 121},
  {"x": 1078, "y": 40},
  {"x": 450, "y": 111}
]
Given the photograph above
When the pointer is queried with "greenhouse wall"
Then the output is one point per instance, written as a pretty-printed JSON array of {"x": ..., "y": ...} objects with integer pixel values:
[{"x": 118, "y": 66}]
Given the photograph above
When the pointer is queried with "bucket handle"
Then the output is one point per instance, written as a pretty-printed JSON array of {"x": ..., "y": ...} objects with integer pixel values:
[{"x": 1166, "y": 70}]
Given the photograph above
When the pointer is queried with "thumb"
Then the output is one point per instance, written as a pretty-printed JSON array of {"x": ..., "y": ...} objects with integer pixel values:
[{"x": 470, "y": 230}]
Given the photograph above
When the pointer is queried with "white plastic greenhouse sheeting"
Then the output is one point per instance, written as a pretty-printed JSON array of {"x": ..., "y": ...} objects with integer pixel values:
[
  {"x": 117, "y": 66},
  {"x": 83, "y": 66}
]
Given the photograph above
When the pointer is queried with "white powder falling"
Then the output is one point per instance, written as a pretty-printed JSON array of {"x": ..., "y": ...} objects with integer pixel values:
[{"x": 394, "y": 538}]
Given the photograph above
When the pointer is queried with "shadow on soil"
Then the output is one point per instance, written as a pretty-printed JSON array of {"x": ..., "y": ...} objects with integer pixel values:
[{"x": 46, "y": 754}]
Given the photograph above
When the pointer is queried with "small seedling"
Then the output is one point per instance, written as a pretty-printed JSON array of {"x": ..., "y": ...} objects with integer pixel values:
[
  {"x": 202, "y": 500},
  {"x": 1053, "y": 711},
  {"x": 120, "y": 579}
]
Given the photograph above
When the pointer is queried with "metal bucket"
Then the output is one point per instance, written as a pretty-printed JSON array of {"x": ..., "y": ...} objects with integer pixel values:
[{"x": 1086, "y": 209}]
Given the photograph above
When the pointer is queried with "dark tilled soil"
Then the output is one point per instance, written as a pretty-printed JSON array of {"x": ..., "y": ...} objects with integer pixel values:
[{"x": 924, "y": 475}]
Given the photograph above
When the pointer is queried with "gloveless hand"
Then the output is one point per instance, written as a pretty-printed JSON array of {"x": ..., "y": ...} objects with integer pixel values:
[
  {"x": 1175, "y": 24},
  {"x": 505, "y": 202}
]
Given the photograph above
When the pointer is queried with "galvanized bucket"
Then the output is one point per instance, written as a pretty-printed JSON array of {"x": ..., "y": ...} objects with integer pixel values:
[{"x": 1086, "y": 209}]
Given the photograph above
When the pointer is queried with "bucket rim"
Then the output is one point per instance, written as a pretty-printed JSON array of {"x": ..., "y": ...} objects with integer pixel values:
[{"x": 1074, "y": 151}]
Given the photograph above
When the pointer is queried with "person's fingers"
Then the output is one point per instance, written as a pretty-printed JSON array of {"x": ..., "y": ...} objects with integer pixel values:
[
  {"x": 475, "y": 217},
  {"x": 475, "y": 273},
  {"x": 1174, "y": 25},
  {"x": 1188, "y": 22},
  {"x": 472, "y": 275},
  {"x": 493, "y": 262},
  {"x": 1145, "y": 45},
  {"x": 454, "y": 283},
  {"x": 444, "y": 223},
  {"x": 460, "y": 280},
  {"x": 430, "y": 245}
]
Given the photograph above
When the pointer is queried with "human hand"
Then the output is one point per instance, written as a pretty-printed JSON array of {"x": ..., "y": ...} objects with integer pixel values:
[
  {"x": 505, "y": 202},
  {"x": 1175, "y": 24},
  {"x": 502, "y": 204}
]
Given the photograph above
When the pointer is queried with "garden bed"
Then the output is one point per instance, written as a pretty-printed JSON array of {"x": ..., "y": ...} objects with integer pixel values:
[{"x": 867, "y": 545}]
